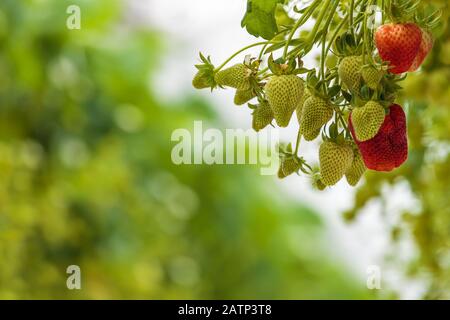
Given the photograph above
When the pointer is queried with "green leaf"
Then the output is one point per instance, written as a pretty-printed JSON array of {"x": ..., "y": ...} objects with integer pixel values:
[
  {"x": 260, "y": 18},
  {"x": 334, "y": 91}
]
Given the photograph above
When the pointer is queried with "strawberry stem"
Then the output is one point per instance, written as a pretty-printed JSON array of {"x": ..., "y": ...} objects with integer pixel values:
[
  {"x": 239, "y": 52},
  {"x": 336, "y": 33},
  {"x": 324, "y": 42},
  {"x": 313, "y": 33},
  {"x": 271, "y": 42},
  {"x": 351, "y": 13},
  {"x": 297, "y": 144},
  {"x": 308, "y": 13}
]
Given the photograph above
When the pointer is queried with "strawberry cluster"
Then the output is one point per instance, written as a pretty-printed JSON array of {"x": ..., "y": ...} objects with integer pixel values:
[{"x": 350, "y": 105}]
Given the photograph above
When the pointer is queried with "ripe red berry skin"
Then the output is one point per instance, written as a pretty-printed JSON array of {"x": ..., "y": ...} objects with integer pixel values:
[
  {"x": 399, "y": 44},
  {"x": 425, "y": 48},
  {"x": 389, "y": 148}
]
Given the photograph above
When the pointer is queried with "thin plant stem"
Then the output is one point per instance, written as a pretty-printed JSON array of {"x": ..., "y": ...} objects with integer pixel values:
[
  {"x": 239, "y": 52},
  {"x": 298, "y": 24}
]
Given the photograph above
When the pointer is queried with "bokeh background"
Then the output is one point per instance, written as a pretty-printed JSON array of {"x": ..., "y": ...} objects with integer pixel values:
[{"x": 86, "y": 176}]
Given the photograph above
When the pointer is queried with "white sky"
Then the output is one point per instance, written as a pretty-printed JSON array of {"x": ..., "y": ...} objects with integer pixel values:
[{"x": 213, "y": 27}]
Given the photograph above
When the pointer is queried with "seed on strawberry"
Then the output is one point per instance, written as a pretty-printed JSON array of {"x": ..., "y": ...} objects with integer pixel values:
[
  {"x": 367, "y": 120},
  {"x": 425, "y": 48},
  {"x": 315, "y": 114},
  {"x": 389, "y": 148},
  {"x": 350, "y": 72},
  {"x": 243, "y": 96},
  {"x": 357, "y": 169},
  {"x": 262, "y": 116},
  {"x": 288, "y": 166},
  {"x": 299, "y": 108},
  {"x": 398, "y": 44},
  {"x": 335, "y": 160},
  {"x": 284, "y": 94},
  {"x": 371, "y": 76},
  {"x": 236, "y": 77}
]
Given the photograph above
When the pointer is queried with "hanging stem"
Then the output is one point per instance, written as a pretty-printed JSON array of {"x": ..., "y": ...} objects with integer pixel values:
[
  {"x": 271, "y": 42},
  {"x": 322, "y": 14},
  {"x": 263, "y": 49},
  {"x": 336, "y": 32},
  {"x": 297, "y": 144},
  {"x": 239, "y": 52},
  {"x": 263, "y": 71},
  {"x": 298, "y": 24},
  {"x": 344, "y": 125},
  {"x": 364, "y": 38},
  {"x": 351, "y": 13},
  {"x": 367, "y": 46},
  {"x": 324, "y": 40}
]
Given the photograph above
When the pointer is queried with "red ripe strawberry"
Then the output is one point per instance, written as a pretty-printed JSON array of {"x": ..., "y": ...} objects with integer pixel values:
[
  {"x": 425, "y": 48},
  {"x": 399, "y": 44},
  {"x": 389, "y": 148}
]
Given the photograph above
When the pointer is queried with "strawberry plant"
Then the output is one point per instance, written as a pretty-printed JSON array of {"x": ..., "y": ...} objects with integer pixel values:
[{"x": 349, "y": 99}]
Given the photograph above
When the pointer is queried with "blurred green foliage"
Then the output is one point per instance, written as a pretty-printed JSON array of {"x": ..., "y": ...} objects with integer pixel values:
[
  {"x": 86, "y": 178},
  {"x": 427, "y": 172}
]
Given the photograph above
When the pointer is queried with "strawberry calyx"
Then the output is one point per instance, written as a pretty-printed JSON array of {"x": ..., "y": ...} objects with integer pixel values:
[
  {"x": 205, "y": 75},
  {"x": 347, "y": 45},
  {"x": 401, "y": 11},
  {"x": 281, "y": 67},
  {"x": 332, "y": 134},
  {"x": 290, "y": 162}
]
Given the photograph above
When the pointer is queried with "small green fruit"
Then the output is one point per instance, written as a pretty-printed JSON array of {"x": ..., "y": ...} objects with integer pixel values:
[
  {"x": 284, "y": 94},
  {"x": 288, "y": 166},
  {"x": 315, "y": 114},
  {"x": 350, "y": 72},
  {"x": 262, "y": 116},
  {"x": 357, "y": 169},
  {"x": 367, "y": 120},
  {"x": 236, "y": 77},
  {"x": 243, "y": 96},
  {"x": 371, "y": 76},
  {"x": 335, "y": 160}
]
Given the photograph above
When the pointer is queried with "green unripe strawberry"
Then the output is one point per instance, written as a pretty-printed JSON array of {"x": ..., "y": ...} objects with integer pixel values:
[
  {"x": 318, "y": 184},
  {"x": 350, "y": 72},
  {"x": 367, "y": 120},
  {"x": 204, "y": 78},
  {"x": 262, "y": 116},
  {"x": 243, "y": 96},
  {"x": 284, "y": 94},
  {"x": 288, "y": 166},
  {"x": 371, "y": 76},
  {"x": 310, "y": 136},
  {"x": 236, "y": 77},
  {"x": 299, "y": 109},
  {"x": 335, "y": 160},
  {"x": 356, "y": 170},
  {"x": 315, "y": 114},
  {"x": 200, "y": 81}
]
